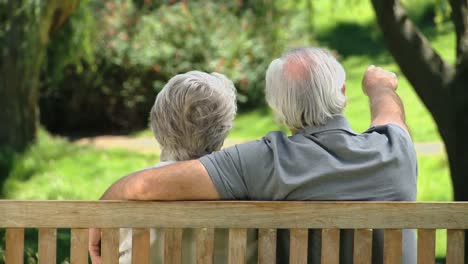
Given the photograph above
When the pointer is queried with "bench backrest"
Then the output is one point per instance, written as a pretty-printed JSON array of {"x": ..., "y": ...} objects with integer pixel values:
[{"x": 238, "y": 216}]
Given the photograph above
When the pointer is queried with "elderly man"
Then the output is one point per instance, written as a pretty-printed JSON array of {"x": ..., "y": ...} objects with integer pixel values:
[{"x": 324, "y": 159}]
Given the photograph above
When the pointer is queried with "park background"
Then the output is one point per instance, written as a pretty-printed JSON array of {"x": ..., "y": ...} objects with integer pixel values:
[{"x": 104, "y": 66}]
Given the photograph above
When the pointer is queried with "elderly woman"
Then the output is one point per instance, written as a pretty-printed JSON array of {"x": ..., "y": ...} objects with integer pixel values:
[{"x": 191, "y": 117}]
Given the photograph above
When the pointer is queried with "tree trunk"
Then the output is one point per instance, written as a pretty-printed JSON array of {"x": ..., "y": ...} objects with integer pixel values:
[
  {"x": 441, "y": 87},
  {"x": 455, "y": 137},
  {"x": 25, "y": 27}
]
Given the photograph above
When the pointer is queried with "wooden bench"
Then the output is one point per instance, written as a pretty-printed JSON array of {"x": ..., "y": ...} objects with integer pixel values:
[{"x": 330, "y": 217}]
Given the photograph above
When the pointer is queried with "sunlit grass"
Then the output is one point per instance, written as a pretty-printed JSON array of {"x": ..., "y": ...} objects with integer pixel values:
[{"x": 54, "y": 168}]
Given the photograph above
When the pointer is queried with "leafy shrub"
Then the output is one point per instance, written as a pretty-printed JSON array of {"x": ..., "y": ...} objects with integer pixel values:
[{"x": 106, "y": 67}]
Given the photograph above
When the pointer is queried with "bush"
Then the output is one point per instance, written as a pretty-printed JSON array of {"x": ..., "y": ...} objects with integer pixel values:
[{"x": 126, "y": 50}]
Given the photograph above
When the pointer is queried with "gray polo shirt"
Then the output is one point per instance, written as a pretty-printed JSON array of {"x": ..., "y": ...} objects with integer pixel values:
[{"x": 330, "y": 162}]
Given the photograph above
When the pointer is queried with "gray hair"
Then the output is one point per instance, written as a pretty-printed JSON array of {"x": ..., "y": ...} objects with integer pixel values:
[
  {"x": 193, "y": 114},
  {"x": 303, "y": 87}
]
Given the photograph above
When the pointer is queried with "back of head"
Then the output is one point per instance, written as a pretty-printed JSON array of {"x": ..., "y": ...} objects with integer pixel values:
[
  {"x": 304, "y": 87},
  {"x": 193, "y": 114}
]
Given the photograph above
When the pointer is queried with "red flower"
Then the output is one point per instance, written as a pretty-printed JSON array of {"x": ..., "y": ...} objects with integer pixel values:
[{"x": 156, "y": 67}]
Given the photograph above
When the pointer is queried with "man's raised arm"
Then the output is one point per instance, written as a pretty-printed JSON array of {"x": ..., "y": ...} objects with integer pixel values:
[{"x": 385, "y": 105}]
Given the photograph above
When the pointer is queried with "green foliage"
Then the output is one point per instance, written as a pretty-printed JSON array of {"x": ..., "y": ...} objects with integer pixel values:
[{"x": 119, "y": 54}]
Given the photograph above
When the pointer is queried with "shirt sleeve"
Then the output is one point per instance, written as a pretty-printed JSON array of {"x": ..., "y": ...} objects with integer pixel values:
[
  {"x": 401, "y": 146},
  {"x": 237, "y": 172},
  {"x": 224, "y": 168},
  {"x": 397, "y": 136}
]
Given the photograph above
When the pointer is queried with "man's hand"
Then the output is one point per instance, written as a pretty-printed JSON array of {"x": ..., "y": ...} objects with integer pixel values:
[
  {"x": 385, "y": 105},
  {"x": 377, "y": 79},
  {"x": 95, "y": 245}
]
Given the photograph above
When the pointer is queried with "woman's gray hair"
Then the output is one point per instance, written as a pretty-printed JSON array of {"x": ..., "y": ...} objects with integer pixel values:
[
  {"x": 193, "y": 114},
  {"x": 304, "y": 87}
]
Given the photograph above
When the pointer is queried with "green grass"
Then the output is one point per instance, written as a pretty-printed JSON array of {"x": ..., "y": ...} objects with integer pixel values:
[
  {"x": 57, "y": 169},
  {"x": 434, "y": 184}
]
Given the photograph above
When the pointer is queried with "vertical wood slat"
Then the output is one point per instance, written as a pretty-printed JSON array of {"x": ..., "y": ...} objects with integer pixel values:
[
  {"x": 79, "y": 246},
  {"x": 14, "y": 245},
  {"x": 330, "y": 246},
  {"x": 173, "y": 245},
  {"x": 298, "y": 245},
  {"x": 426, "y": 246},
  {"x": 237, "y": 245},
  {"x": 140, "y": 246},
  {"x": 392, "y": 246},
  {"x": 110, "y": 245},
  {"x": 362, "y": 246},
  {"x": 204, "y": 245},
  {"x": 266, "y": 246},
  {"x": 47, "y": 245},
  {"x": 455, "y": 246}
]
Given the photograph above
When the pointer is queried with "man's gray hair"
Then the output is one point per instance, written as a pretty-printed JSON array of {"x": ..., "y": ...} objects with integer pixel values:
[
  {"x": 193, "y": 114},
  {"x": 304, "y": 87}
]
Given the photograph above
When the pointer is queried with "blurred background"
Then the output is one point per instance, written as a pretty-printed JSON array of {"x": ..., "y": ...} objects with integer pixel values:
[{"x": 78, "y": 79}]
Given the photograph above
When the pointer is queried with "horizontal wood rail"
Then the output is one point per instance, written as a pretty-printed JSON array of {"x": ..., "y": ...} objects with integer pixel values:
[{"x": 238, "y": 216}]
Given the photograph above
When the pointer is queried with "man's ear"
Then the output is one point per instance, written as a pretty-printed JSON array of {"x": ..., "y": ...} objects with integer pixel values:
[{"x": 343, "y": 89}]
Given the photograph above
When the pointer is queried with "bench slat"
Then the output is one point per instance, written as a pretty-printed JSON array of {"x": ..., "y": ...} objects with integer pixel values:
[
  {"x": 455, "y": 246},
  {"x": 14, "y": 245},
  {"x": 298, "y": 245},
  {"x": 140, "y": 246},
  {"x": 381, "y": 215},
  {"x": 266, "y": 246},
  {"x": 205, "y": 245},
  {"x": 237, "y": 245},
  {"x": 362, "y": 246},
  {"x": 110, "y": 245},
  {"x": 173, "y": 245},
  {"x": 79, "y": 246},
  {"x": 392, "y": 246},
  {"x": 47, "y": 245},
  {"x": 426, "y": 246},
  {"x": 330, "y": 246}
]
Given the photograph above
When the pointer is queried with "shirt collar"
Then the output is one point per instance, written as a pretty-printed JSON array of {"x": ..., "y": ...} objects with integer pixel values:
[{"x": 338, "y": 121}]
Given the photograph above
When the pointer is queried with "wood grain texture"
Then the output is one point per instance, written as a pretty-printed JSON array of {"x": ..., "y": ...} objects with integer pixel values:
[
  {"x": 237, "y": 245},
  {"x": 14, "y": 245},
  {"x": 140, "y": 246},
  {"x": 79, "y": 246},
  {"x": 298, "y": 240},
  {"x": 392, "y": 246},
  {"x": 249, "y": 214},
  {"x": 266, "y": 246},
  {"x": 205, "y": 245},
  {"x": 362, "y": 252},
  {"x": 173, "y": 245},
  {"x": 330, "y": 246},
  {"x": 426, "y": 246},
  {"x": 47, "y": 253},
  {"x": 110, "y": 245},
  {"x": 455, "y": 246}
]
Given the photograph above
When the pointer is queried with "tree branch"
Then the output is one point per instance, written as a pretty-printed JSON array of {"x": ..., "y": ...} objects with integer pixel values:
[
  {"x": 427, "y": 72},
  {"x": 460, "y": 20}
]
